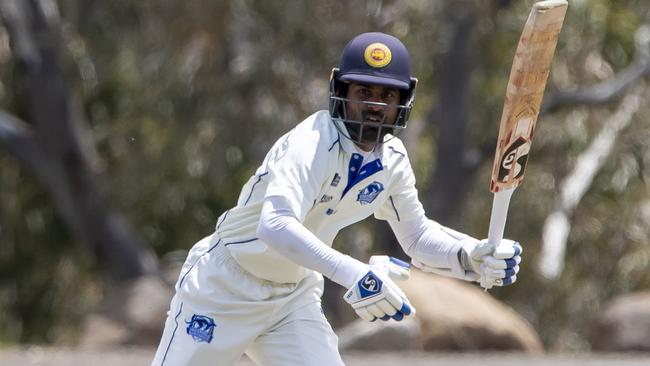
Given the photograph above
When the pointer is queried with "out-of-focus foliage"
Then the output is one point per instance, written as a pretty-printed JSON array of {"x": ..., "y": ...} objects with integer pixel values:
[{"x": 185, "y": 97}]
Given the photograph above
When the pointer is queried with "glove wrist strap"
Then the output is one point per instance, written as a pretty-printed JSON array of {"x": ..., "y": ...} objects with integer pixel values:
[{"x": 463, "y": 259}]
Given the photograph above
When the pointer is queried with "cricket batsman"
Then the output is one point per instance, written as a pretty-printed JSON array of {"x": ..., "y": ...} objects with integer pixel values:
[{"x": 254, "y": 286}]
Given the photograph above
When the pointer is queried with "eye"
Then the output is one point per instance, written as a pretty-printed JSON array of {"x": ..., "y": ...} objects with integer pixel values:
[
  {"x": 389, "y": 95},
  {"x": 363, "y": 92}
]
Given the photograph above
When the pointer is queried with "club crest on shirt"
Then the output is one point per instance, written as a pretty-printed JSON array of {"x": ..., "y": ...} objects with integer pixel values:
[
  {"x": 368, "y": 194},
  {"x": 201, "y": 328}
]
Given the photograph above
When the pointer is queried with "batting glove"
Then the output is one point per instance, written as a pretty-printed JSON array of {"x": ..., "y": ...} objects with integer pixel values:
[
  {"x": 397, "y": 269},
  {"x": 491, "y": 266},
  {"x": 375, "y": 296}
]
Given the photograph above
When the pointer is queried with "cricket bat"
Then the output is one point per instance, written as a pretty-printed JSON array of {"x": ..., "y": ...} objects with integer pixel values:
[{"x": 530, "y": 69}]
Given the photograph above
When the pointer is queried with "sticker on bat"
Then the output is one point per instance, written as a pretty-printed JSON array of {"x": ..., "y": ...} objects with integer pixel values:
[{"x": 514, "y": 158}]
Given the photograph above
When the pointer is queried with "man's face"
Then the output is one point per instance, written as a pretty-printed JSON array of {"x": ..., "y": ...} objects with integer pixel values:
[{"x": 371, "y": 115}]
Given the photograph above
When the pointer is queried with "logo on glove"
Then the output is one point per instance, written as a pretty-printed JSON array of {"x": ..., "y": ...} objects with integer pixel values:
[{"x": 369, "y": 285}]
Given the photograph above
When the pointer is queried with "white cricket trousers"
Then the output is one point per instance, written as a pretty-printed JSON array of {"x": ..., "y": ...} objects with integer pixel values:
[{"x": 220, "y": 312}]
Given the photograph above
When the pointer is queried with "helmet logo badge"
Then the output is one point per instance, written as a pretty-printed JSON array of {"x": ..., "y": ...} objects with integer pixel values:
[{"x": 377, "y": 55}]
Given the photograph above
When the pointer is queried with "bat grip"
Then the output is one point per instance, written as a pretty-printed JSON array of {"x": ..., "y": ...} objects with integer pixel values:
[
  {"x": 499, "y": 215},
  {"x": 498, "y": 218}
]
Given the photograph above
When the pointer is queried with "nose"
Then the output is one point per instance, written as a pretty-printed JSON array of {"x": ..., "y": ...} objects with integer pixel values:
[{"x": 374, "y": 98}]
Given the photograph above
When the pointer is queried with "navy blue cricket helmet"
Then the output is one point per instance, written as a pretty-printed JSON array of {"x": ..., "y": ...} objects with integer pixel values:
[{"x": 372, "y": 59}]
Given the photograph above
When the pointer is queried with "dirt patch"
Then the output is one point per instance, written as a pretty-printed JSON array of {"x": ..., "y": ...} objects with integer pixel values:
[{"x": 139, "y": 356}]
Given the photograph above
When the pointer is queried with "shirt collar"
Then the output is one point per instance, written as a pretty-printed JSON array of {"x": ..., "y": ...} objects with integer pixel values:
[{"x": 349, "y": 146}]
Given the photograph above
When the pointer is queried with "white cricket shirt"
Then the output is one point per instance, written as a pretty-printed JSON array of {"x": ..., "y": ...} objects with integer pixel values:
[{"x": 328, "y": 185}]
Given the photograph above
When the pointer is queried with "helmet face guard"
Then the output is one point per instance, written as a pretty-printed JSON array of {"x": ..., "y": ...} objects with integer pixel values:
[
  {"x": 371, "y": 59},
  {"x": 352, "y": 122}
]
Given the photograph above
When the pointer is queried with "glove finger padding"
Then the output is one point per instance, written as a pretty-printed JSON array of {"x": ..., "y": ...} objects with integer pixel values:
[
  {"x": 503, "y": 277},
  {"x": 386, "y": 308},
  {"x": 500, "y": 266},
  {"x": 375, "y": 310},
  {"x": 364, "y": 314},
  {"x": 501, "y": 273},
  {"x": 375, "y": 296},
  {"x": 493, "y": 263},
  {"x": 507, "y": 249}
]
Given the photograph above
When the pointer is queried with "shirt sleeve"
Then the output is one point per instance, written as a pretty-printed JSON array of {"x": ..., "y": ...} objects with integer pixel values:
[
  {"x": 296, "y": 167},
  {"x": 280, "y": 229},
  {"x": 429, "y": 242},
  {"x": 402, "y": 203}
]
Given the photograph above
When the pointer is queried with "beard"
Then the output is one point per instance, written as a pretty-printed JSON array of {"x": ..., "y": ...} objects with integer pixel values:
[{"x": 368, "y": 129}]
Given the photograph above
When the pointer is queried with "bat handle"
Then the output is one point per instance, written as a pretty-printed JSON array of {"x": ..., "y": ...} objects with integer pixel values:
[
  {"x": 498, "y": 219},
  {"x": 498, "y": 216}
]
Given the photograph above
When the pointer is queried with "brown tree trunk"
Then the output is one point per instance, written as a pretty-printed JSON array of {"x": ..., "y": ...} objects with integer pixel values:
[
  {"x": 444, "y": 197},
  {"x": 50, "y": 145}
]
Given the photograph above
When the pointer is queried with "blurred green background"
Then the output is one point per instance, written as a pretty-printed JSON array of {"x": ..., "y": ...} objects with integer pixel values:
[{"x": 173, "y": 104}]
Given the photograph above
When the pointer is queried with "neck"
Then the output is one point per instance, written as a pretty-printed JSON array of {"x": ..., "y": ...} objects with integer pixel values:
[{"x": 365, "y": 147}]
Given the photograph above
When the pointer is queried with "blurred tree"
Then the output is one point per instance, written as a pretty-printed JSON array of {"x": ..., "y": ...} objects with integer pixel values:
[
  {"x": 51, "y": 146},
  {"x": 454, "y": 166}
]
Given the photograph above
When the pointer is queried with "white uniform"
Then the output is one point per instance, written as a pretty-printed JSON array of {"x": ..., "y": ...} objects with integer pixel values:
[
  {"x": 235, "y": 294},
  {"x": 322, "y": 177}
]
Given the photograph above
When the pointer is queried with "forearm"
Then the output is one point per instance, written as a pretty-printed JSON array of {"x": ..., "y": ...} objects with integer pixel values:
[{"x": 281, "y": 230}]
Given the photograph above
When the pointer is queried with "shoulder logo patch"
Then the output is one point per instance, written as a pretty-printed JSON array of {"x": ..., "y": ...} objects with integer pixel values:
[
  {"x": 201, "y": 328},
  {"x": 367, "y": 195}
]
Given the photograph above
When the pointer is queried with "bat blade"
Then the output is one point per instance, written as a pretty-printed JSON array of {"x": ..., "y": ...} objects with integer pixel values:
[{"x": 530, "y": 69}]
